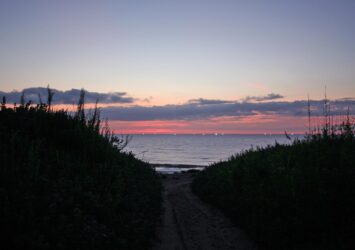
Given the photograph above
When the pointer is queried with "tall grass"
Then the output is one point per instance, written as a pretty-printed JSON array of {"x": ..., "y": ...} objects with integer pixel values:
[
  {"x": 298, "y": 196},
  {"x": 66, "y": 184}
]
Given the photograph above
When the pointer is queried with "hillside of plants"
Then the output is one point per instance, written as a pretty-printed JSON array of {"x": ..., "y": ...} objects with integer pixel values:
[
  {"x": 66, "y": 184},
  {"x": 297, "y": 196}
]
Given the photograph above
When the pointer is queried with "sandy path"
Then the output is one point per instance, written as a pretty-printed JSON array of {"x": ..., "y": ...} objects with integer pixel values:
[{"x": 188, "y": 223}]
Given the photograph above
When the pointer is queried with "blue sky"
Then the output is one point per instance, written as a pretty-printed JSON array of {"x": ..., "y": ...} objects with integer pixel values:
[{"x": 169, "y": 52}]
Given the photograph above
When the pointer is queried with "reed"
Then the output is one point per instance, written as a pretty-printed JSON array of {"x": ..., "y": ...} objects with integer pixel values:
[
  {"x": 298, "y": 196},
  {"x": 66, "y": 184}
]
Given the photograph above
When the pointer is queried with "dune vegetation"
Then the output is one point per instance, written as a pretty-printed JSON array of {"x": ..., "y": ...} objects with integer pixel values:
[
  {"x": 297, "y": 196},
  {"x": 66, "y": 184}
]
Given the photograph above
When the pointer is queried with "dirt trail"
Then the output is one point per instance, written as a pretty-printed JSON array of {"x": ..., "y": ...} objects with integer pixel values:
[{"x": 188, "y": 223}]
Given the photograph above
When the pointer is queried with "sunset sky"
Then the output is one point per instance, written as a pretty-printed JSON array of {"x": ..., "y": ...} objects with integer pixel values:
[{"x": 196, "y": 66}]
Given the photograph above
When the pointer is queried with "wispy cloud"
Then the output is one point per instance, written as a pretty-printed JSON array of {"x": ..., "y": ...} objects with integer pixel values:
[
  {"x": 201, "y": 101},
  {"x": 67, "y": 97},
  {"x": 194, "y": 110},
  {"x": 348, "y": 99},
  {"x": 268, "y": 97}
]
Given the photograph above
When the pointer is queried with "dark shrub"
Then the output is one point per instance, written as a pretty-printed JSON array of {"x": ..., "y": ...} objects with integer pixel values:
[
  {"x": 299, "y": 196},
  {"x": 66, "y": 185}
]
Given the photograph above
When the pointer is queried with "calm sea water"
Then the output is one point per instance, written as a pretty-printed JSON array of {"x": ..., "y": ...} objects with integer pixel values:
[{"x": 196, "y": 149}]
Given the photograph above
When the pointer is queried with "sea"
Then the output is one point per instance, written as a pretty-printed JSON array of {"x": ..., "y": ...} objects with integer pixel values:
[{"x": 173, "y": 152}]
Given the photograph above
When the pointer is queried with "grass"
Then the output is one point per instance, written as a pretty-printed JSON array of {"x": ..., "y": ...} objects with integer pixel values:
[
  {"x": 298, "y": 196},
  {"x": 66, "y": 184}
]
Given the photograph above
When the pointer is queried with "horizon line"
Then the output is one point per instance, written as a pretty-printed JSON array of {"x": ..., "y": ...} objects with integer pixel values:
[{"x": 214, "y": 134}]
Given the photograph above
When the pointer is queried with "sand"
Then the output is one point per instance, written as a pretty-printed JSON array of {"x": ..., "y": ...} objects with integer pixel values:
[{"x": 188, "y": 223}]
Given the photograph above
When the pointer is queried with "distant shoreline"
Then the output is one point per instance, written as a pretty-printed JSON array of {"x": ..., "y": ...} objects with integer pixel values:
[
  {"x": 169, "y": 165},
  {"x": 215, "y": 134},
  {"x": 176, "y": 168}
]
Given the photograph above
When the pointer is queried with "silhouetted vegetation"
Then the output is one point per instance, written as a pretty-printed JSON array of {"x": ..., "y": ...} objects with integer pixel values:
[
  {"x": 298, "y": 196},
  {"x": 65, "y": 184}
]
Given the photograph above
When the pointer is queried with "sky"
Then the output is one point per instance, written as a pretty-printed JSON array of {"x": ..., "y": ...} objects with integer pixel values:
[{"x": 224, "y": 66}]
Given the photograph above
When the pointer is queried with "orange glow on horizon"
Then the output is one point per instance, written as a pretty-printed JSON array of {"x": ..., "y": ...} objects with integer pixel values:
[{"x": 256, "y": 124}]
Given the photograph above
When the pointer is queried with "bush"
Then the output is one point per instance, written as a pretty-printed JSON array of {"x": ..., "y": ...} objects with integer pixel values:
[
  {"x": 299, "y": 196},
  {"x": 65, "y": 184}
]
